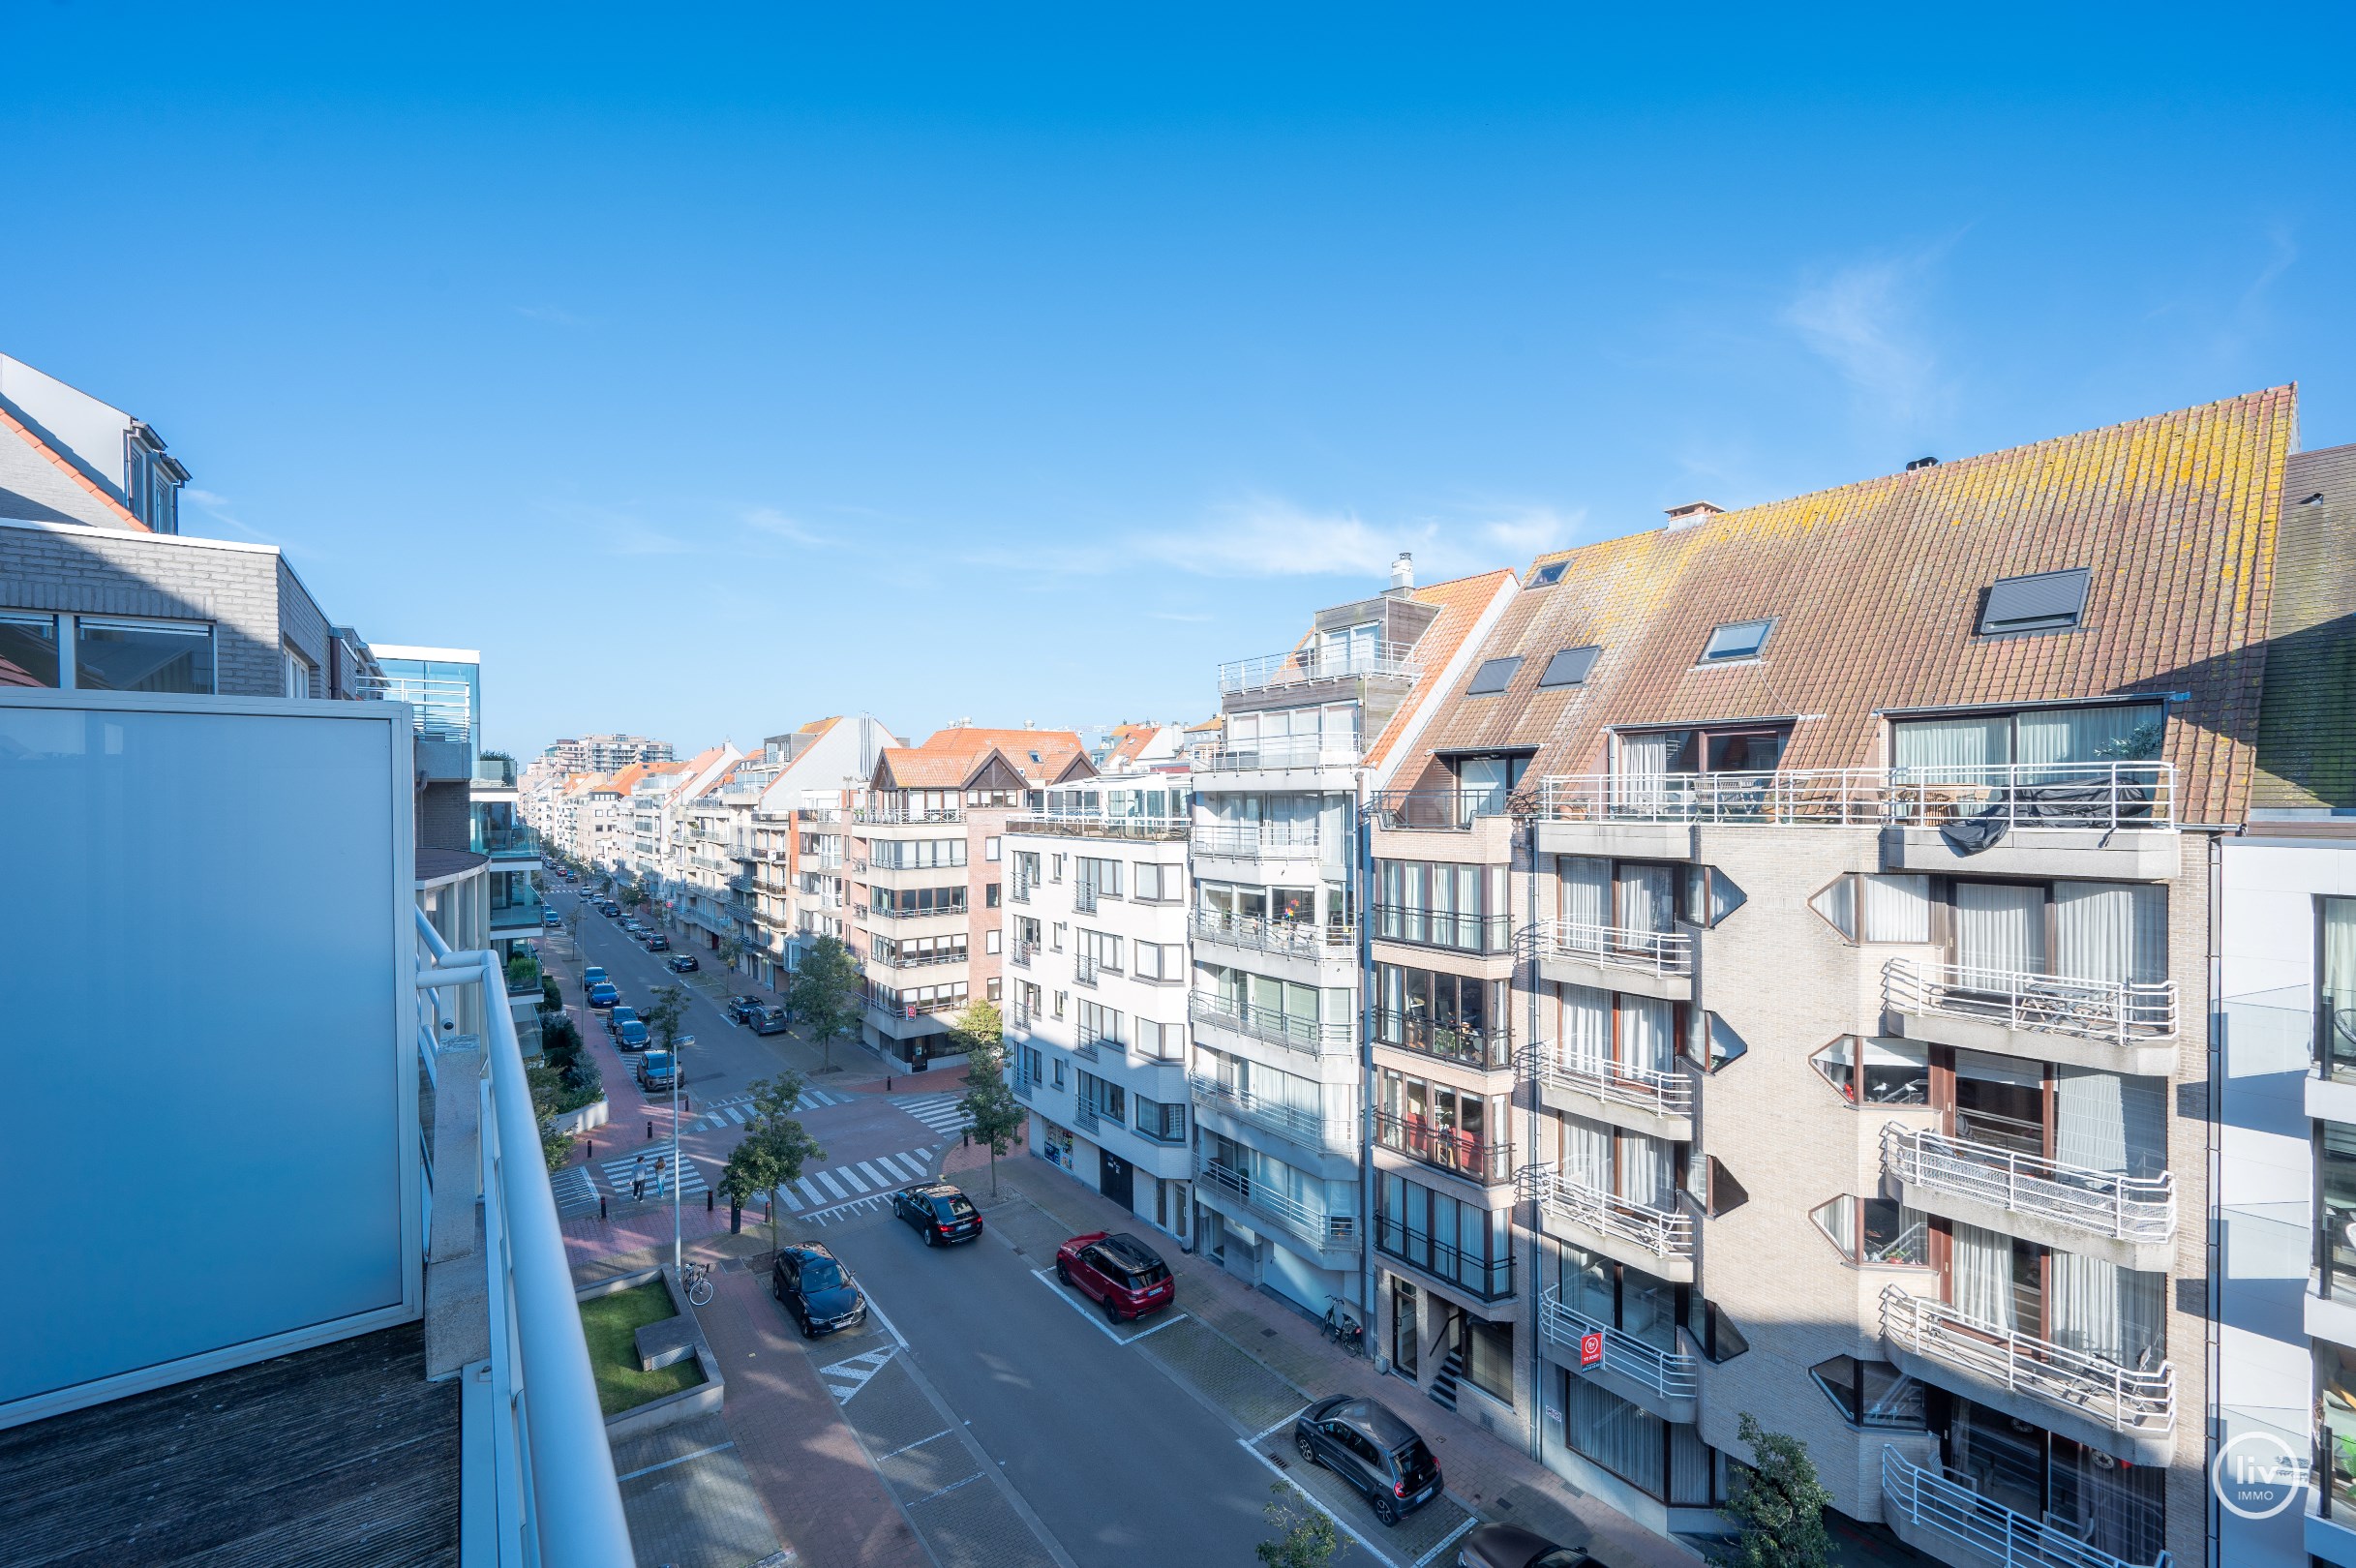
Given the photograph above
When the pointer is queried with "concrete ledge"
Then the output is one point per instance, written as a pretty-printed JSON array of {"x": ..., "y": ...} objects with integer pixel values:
[
  {"x": 1632, "y": 841},
  {"x": 2137, "y": 1447},
  {"x": 2149, "y": 1058},
  {"x": 2150, "y": 1256},
  {"x": 1636, "y": 980},
  {"x": 2329, "y": 1100},
  {"x": 2112, "y": 854},
  {"x": 1684, "y": 1411},
  {"x": 1558, "y": 1097},
  {"x": 576, "y": 1122},
  {"x": 2327, "y": 1319}
]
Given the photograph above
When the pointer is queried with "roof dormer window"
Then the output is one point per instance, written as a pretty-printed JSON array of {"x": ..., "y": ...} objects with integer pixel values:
[
  {"x": 1736, "y": 640},
  {"x": 2045, "y": 602}
]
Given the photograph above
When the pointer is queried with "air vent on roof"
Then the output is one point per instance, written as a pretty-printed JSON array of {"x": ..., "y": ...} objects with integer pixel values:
[
  {"x": 1736, "y": 639},
  {"x": 1569, "y": 668},
  {"x": 1494, "y": 676},
  {"x": 2049, "y": 601},
  {"x": 1692, "y": 512},
  {"x": 2313, "y": 499},
  {"x": 1921, "y": 462}
]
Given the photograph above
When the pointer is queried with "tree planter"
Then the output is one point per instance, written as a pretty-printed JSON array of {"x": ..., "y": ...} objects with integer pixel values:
[
  {"x": 577, "y": 1122},
  {"x": 704, "y": 1399}
]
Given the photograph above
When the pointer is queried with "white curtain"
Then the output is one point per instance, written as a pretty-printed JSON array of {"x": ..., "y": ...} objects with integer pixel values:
[
  {"x": 1983, "y": 1275},
  {"x": 2077, "y": 734},
  {"x": 2105, "y": 1310},
  {"x": 1647, "y": 1173},
  {"x": 1641, "y": 783},
  {"x": 1648, "y": 900},
  {"x": 2106, "y": 1122},
  {"x": 2000, "y": 927},
  {"x": 1924, "y": 746},
  {"x": 1648, "y": 1031},
  {"x": 2110, "y": 931},
  {"x": 1587, "y": 890},
  {"x": 1586, "y": 1152},
  {"x": 1586, "y": 1025},
  {"x": 1897, "y": 909}
]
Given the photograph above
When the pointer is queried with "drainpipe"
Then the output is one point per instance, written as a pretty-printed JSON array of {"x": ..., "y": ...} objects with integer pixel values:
[
  {"x": 1530, "y": 1147},
  {"x": 1363, "y": 875},
  {"x": 2214, "y": 1251}
]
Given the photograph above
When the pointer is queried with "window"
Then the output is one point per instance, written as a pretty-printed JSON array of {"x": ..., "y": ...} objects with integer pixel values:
[
  {"x": 1160, "y": 1122},
  {"x": 1876, "y": 1072},
  {"x": 1107, "y": 1099},
  {"x": 989, "y": 895},
  {"x": 1670, "y": 1461},
  {"x": 991, "y": 940},
  {"x": 28, "y": 649},
  {"x": 1489, "y": 1358},
  {"x": 1736, "y": 639},
  {"x": 2049, "y": 601},
  {"x": 1548, "y": 575},
  {"x": 1157, "y": 883},
  {"x": 2110, "y": 732},
  {"x": 1871, "y": 1393},
  {"x": 1164, "y": 1041},
  {"x": 916, "y": 853},
  {"x": 1569, "y": 668},
  {"x": 1494, "y": 676},
  {"x": 1442, "y": 904},
  {"x": 1714, "y": 1331},
  {"x": 989, "y": 849},
  {"x": 298, "y": 675},
  {"x": 1061, "y": 998},
  {"x": 997, "y": 989},
  {"x": 142, "y": 655},
  {"x": 1653, "y": 754},
  {"x": 1462, "y": 1243},
  {"x": 1872, "y": 907},
  {"x": 1159, "y": 961},
  {"x": 1099, "y": 1025},
  {"x": 1057, "y": 1065},
  {"x": 1875, "y": 1231},
  {"x": 1102, "y": 949},
  {"x": 1721, "y": 1193}
]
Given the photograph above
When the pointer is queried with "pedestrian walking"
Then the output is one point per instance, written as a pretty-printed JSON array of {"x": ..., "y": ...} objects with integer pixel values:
[{"x": 661, "y": 1161}]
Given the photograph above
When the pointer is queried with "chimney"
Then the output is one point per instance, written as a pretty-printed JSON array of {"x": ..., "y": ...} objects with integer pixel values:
[
  {"x": 1922, "y": 463},
  {"x": 1403, "y": 573},
  {"x": 1691, "y": 513}
]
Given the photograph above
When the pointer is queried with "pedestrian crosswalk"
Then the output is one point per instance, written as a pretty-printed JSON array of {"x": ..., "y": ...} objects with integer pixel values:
[
  {"x": 738, "y": 1111},
  {"x": 576, "y": 1193},
  {"x": 623, "y": 1174},
  {"x": 848, "y": 1377},
  {"x": 866, "y": 1178},
  {"x": 945, "y": 1114}
]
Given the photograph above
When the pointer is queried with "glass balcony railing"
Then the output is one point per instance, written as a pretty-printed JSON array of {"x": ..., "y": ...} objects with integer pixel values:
[{"x": 1469, "y": 1155}]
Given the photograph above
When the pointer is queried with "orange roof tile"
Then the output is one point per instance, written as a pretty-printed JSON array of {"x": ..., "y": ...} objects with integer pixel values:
[{"x": 1460, "y": 601}]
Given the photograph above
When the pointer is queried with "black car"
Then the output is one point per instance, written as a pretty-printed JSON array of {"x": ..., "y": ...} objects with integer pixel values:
[
  {"x": 684, "y": 963},
  {"x": 940, "y": 1213},
  {"x": 742, "y": 1010},
  {"x": 656, "y": 942},
  {"x": 610, "y": 910},
  {"x": 817, "y": 1289},
  {"x": 769, "y": 1022},
  {"x": 1509, "y": 1545},
  {"x": 1364, "y": 1443}
]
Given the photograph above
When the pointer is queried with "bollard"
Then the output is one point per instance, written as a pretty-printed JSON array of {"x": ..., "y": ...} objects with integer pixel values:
[
  {"x": 707, "y": 1200},
  {"x": 601, "y": 1214}
]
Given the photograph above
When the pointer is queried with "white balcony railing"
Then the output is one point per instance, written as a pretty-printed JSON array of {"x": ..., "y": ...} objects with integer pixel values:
[
  {"x": 1305, "y": 1221},
  {"x": 1615, "y": 1083},
  {"x": 1244, "y": 839},
  {"x": 2105, "y": 1203},
  {"x": 1667, "y": 1374},
  {"x": 546, "y": 1475},
  {"x": 2122, "y": 1012},
  {"x": 890, "y": 812},
  {"x": 2102, "y": 794},
  {"x": 1096, "y": 825},
  {"x": 1282, "y": 751},
  {"x": 1662, "y": 1232},
  {"x": 1985, "y": 1529},
  {"x": 1313, "y": 663},
  {"x": 1656, "y": 952},
  {"x": 444, "y": 706},
  {"x": 1271, "y": 1025},
  {"x": 2138, "y": 1400},
  {"x": 1297, "y": 1125},
  {"x": 1301, "y": 939}
]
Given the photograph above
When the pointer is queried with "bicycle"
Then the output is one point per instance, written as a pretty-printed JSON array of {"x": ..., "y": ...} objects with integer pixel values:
[
  {"x": 1342, "y": 1329},
  {"x": 696, "y": 1278}
]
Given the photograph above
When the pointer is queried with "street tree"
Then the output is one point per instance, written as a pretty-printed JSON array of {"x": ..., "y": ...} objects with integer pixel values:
[
  {"x": 994, "y": 1116},
  {"x": 772, "y": 1154},
  {"x": 666, "y": 1008},
  {"x": 730, "y": 953},
  {"x": 1305, "y": 1538},
  {"x": 826, "y": 994},
  {"x": 1778, "y": 1504}
]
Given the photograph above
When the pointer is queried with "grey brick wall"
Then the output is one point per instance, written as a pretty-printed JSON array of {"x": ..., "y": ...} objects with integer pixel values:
[{"x": 446, "y": 816}]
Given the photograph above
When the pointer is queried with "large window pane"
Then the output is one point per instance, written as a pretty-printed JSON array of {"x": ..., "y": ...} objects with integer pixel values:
[
  {"x": 126, "y": 656},
  {"x": 28, "y": 651}
]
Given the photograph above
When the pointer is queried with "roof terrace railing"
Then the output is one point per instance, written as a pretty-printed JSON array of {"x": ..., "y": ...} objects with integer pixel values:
[
  {"x": 1275, "y": 752},
  {"x": 1250, "y": 838},
  {"x": 444, "y": 706},
  {"x": 2122, "y": 1012},
  {"x": 1396, "y": 660},
  {"x": 2099, "y": 795}
]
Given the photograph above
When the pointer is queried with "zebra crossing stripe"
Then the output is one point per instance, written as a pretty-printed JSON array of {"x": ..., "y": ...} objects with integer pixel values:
[
  {"x": 826, "y": 1177},
  {"x": 847, "y": 1377},
  {"x": 575, "y": 1192}
]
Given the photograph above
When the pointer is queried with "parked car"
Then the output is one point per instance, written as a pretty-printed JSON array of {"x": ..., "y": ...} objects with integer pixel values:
[
  {"x": 1117, "y": 1272},
  {"x": 769, "y": 1021},
  {"x": 630, "y": 1037},
  {"x": 615, "y": 1020},
  {"x": 656, "y": 942},
  {"x": 742, "y": 1010},
  {"x": 817, "y": 1289},
  {"x": 940, "y": 1213},
  {"x": 603, "y": 995},
  {"x": 684, "y": 963},
  {"x": 609, "y": 909},
  {"x": 1364, "y": 1443},
  {"x": 552, "y": 919},
  {"x": 657, "y": 1071},
  {"x": 1510, "y": 1546},
  {"x": 594, "y": 975}
]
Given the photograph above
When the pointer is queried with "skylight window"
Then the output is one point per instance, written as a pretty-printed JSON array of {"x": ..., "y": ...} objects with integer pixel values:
[
  {"x": 1736, "y": 639},
  {"x": 1493, "y": 676},
  {"x": 1569, "y": 668},
  {"x": 1548, "y": 575},
  {"x": 2049, "y": 601}
]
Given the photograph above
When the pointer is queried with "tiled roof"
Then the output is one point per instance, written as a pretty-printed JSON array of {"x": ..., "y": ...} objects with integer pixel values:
[
  {"x": 1460, "y": 601},
  {"x": 39, "y": 485},
  {"x": 2306, "y": 749},
  {"x": 1875, "y": 589},
  {"x": 947, "y": 757}
]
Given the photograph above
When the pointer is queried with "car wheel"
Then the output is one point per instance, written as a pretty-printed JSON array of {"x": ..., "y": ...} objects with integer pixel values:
[
  {"x": 1309, "y": 1450},
  {"x": 1112, "y": 1311},
  {"x": 1061, "y": 1272},
  {"x": 930, "y": 1239},
  {"x": 1387, "y": 1511}
]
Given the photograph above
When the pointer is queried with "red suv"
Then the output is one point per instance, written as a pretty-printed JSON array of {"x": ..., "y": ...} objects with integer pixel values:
[{"x": 1123, "y": 1274}]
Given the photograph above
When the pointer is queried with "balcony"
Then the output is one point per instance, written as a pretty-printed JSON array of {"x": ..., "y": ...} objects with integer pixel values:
[
  {"x": 1483, "y": 1278},
  {"x": 888, "y": 912},
  {"x": 1086, "y": 967},
  {"x": 1479, "y": 1050},
  {"x": 1480, "y": 935},
  {"x": 2127, "y": 1412},
  {"x": 920, "y": 960},
  {"x": 1281, "y": 754},
  {"x": 1303, "y": 1128},
  {"x": 1294, "y": 938},
  {"x": 1954, "y": 1524},
  {"x": 2115, "y": 1025},
  {"x": 1467, "y": 1156},
  {"x": 1254, "y": 840},
  {"x": 1025, "y": 952},
  {"x": 1644, "y": 1100},
  {"x": 506, "y": 843},
  {"x": 1083, "y": 1114},
  {"x": 1658, "y": 1241},
  {"x": 1663, "y": 1381},
  {"x": 1305, "y": 1034},
  {"x": 1099, "y": 825},
  {"x": 893, "y": 813},
  {"x": 1331, "y": 1238},
  {"x": 1394, "y": 661},
  {"x": 1443, "y": 812},
  {"x": 1023, "y": 1084},
  {"x": 445, "y": 707},
  {"x": 2128, "y": 1221},
  {"x": 1616, "y": 958}
]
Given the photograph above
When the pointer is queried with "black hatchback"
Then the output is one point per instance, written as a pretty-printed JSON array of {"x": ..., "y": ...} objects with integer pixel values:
[
  {"x": 940, "y": 1213},
  {"x": 817, "y": 1289},
  {"x": 1364, "y": 1443}
]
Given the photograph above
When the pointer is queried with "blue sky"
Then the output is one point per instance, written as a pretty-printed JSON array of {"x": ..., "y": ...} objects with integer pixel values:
[{"x": 718, "y": 371}]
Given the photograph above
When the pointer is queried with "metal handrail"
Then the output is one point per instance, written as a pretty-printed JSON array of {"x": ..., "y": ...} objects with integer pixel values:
[
  {"x": 1493, "y": 1277},
  {"x": 2123, "y": 1399},
  {"x": 889, "y": 912},
  {"x": 1243, "y": 839},
  {"x": 1446, "y": 1148},
  {"x": 2118, "y": 1011},
  {"x": 1666, "y": 1373},
  {"x": 1310, "y": 662},
  {"x": 1277, "y": 751},
  {"x": 1662, "y": 1232},
  {"x": 1292, "y": 1123},
  {"x": 1096, "y": 825},
  {"x": 918, "y": 960},
  {"x": 1311, "y": 1224},
  {"x": 1446, "y": 930},
  {"x": 888, "y": 814},
  {"x": 1988, "y": 1530},
  {"x": 2106, "y": 1203},
  {"x": 1083, "y": 1114},
  {"x": 1482, "y": 1049},
  {"x": 1624, "y": 946},
  {"x": 443, "y": 708},
  {"x": 2101, "y": 794},
  {"x": 1447, "y": 810},
  {"x": 1615, "y": 1083},
  {"x": 1306, "y": 939},
  {"x": 1025, "y": 952},
  {"x": 1268, "y": 1024}
]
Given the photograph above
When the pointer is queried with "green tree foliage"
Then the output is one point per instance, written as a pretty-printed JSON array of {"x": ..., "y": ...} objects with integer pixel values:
[
  {"x": 989, "y": 1103},
  {"x": 773, "y": 1152},
  {"x": 667, "y": 1006},
  {"x": 1778, "y": 1505},
  {"x": 1305, "y": 1538},
  {"x": 828, "y": 994}
]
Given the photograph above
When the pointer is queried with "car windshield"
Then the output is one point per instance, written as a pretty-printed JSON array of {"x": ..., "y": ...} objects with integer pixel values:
[
  {"x": 1416, "y": 1465},
  {"x": 625, "y": 1016},
  {"x": 821, "y": 1274}
]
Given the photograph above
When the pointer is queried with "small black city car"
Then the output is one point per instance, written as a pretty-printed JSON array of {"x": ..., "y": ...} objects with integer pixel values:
[
  {"x": 1364, "y": 1443},
  {"x": 1509, "y": 1545},
  {"x": 684, "y": 963},
  {"x": 656, "y": 942},
  {"x": 741, "y": 1008},
  {"x": 940, "y": 1213},
  {"x": 817, "y": 1289}
]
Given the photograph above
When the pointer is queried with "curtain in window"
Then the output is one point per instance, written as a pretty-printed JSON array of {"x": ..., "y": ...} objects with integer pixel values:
[
  {"x": 1925, "y": 747},
  {"x": 2105, "y": 1310},
  {"x": 1647, "y": 1172},
  {"x": 1897, "y": 908},
  {"x": 2000, "y": 927},
  {"x": 1648, "y": 897},
  {"x": 1690, "y": 1463},
  {"x": 1647, "y": 1033},
  {"x": 1624, "y": 1438},
  {"x": 2110, "y": 931},
  {"x": 1642, "y": 784},
  {"x": 1983, "y": 1275},
  {"x": 1587, "y": 1153},
  {"x": 1586, "y": 1025},
  {"x": 2080, "y": 735},
  {"x": 2106, "y": 1122},
  {"x": 1586, "y": 898}
]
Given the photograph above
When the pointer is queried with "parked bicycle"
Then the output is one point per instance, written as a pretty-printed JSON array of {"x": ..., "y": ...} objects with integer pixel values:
[
  {"x": 1342, "y": 1329},
  {"x": 696, "y": 1278}
]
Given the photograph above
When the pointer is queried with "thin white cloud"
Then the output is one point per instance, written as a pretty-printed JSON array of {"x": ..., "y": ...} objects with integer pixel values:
[
  {"x": 1269, "y": 537},
  {"x": 217, "y": 507},
  {"x": 553, "y": 314},
  {"x": 1533, "y": 531},
  {"x": 768, "y": 519},
  {"x": 1864, "y": 319}
]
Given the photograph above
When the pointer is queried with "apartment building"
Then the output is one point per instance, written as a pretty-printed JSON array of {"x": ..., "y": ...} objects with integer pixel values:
[
  {"x": 925, "y": 873},
  {"x": 788, "y": 840},
  {"x": 1095, "y": 946},
  {"x": 1130, "y": 747},
  {"x": 659, "y": 819},
  {"x": 1820, "y": 892},
  {"x": 1305, "y": 738},
  {"x": 604, "y": 753},
  {"x": 66, "y": 457},
  {"x": 705, "y": 903}
]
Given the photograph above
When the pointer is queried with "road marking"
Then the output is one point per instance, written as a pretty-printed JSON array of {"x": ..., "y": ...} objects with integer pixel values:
[
  {"x": 919, "y": 1443},
  {"x": 811, "y": 1188},
  {"x": 1470, "y": 1521},
  {"x": 620, "y": 1173},
  {"x": 944, "y": 1491},
  {"x": 831, "y": 1185},
  {"x": 682, "y": 1459},
  {"x": 868, "y": 1169},
  {"x": 850, "y": 1176},
  {"x": 849, "y": 1375},
  {"x": 1092, "y": 1314},
  {"x": 943, "y": 1113},
  {"x": 574, "y": 1190},
  {"x": 1252, "y": 1447},
  {"x": 844, "y": 1211},
  {"x": 897, "y": 1335}
]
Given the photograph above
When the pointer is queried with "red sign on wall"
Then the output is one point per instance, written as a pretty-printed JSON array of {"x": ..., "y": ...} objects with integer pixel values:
[{"x": 1591, "y": 1350}]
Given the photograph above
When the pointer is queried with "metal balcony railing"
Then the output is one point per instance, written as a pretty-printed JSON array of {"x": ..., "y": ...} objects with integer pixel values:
[
  {"x": 1655, "y": 953},
  {"x": 1084, "y": 896},
  {"x": 445, "y": 708},
  {"x": 1025, "y": 952},
  {"x": 1083, "y": 1114},
  {"x": 1433, "y": 810},
  {"x": 1463, "y": 1154},
  {"x": 1244, "y": 839},
  {"x": 2104, "y": 1203},
  {"x": 1096, "y": 825},
  {"x": 1662, "y": 1232},
  {"x": 1391, "y": 660},
  {"x": 1667, "y": 1374},
  {"x": 887, "y": 912},
  {"x": 1617, "y": 1083},
  {"x": 1022, "y": 1086},
  {"x": 1282, "y": 751},
  {"x": 1300, "y": 939},
  {"x": 2120, "y": 1012},
  {"x": 1486, "y": 1050},
  {"x": 2105, "y": 794},
  {"x": 1085, "y": 968},
  {"x": 1982, "y": 1529},
  {"x": 888, "y": 813},
  {"x": 1444, "y": 928},
  {"x": 1271, "y": 1025},
  {"x": 1295, "y": 1125},
  {"x": 2139, "y": 1399},
  {"x": 1488, "y": 1278},
  {"x": 918, "y": 960},
  {"x": 1304, "y": 1221}
]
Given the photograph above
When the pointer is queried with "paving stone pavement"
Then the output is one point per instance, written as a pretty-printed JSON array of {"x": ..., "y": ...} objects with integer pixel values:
[
  {"x": 688, "y": 1499},
  {"x": 1201, "y": 1356},
  {"x": 973, "y": 1527}
]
